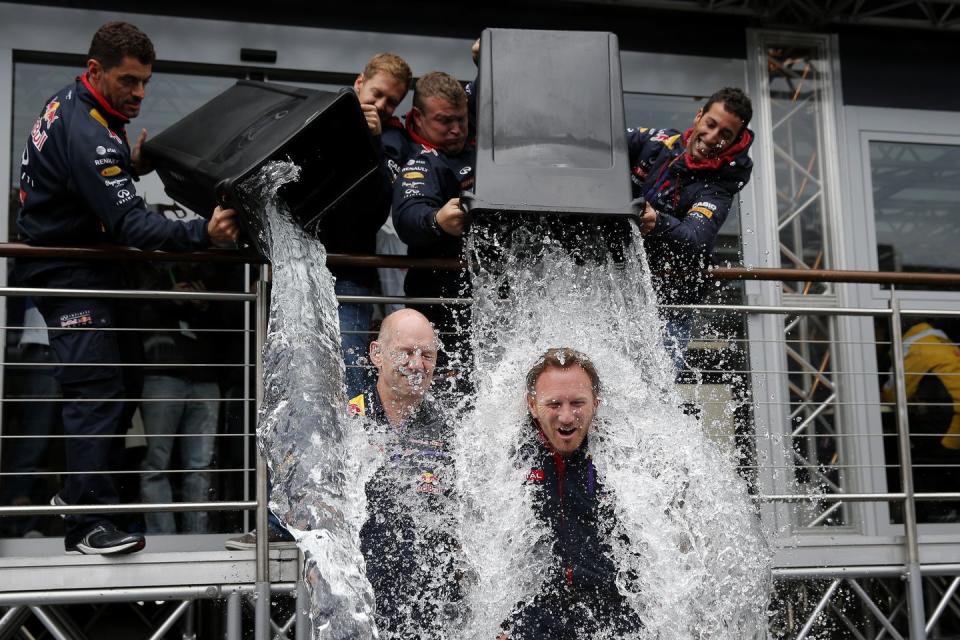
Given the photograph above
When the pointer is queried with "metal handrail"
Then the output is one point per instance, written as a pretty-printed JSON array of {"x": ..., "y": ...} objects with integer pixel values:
[
  {"x": 240, "y": 256},
  {"x": 128, "y": 507},
  {"x": 911, "y": 568}
]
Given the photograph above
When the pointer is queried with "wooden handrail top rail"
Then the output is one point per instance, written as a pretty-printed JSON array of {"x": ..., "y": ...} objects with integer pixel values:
[{"x": 115, "y": 252}]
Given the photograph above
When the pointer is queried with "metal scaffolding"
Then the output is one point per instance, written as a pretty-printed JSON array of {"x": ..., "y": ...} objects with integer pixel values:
[{"x": 942, "y": 15}]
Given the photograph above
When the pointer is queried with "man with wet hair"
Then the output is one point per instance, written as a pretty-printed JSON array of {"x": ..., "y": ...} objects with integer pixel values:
[
  {"x": 579, "y": 597},
  {"x": 688, "y": 180},
  {"x": 411, "y": 558},
  {"x": 77, "y": 188},
  {"x": 352, "y": 227},
  {"x": 426, "y": 197}
]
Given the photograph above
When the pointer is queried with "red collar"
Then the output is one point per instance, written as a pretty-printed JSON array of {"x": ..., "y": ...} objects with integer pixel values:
[
  {"x": 558, "y": 460},
  {"x": 113, "y": 113},
  {"x": 393, "y": 122},
  {"x": 417, "y": 137},
  {"x": 714, "y": 163}
]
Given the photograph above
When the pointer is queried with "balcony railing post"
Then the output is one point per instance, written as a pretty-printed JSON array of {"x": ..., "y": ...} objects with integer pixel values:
[
  {"x": 914, "y": 576},
  {"x": 303, "y": 627},
  {"x": 262, "y": 595}
]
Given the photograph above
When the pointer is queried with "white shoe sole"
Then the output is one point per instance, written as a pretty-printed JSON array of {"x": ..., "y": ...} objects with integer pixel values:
[{"x": 127, "y": 547}]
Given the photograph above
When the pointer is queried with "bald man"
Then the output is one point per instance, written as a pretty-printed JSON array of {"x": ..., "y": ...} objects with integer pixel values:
[{"x": 410, "y": 556}]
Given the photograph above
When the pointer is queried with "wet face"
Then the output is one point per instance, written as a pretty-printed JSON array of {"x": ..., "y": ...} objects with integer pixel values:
[
  {"x": 123, "y": 86},
  {"x": 382, "y": 90},
  {"x": 443, "y": 124},
  {"x": 405, "y": 358},
  {"x": 563, "y": 404},
  {"x": 713, "y": 131}
]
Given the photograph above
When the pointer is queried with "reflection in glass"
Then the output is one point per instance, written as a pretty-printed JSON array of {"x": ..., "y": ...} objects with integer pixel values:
[{"x": 916, "y": 204}]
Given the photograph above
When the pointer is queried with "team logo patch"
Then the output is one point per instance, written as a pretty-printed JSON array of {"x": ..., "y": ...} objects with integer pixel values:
[
  {"x": 76, "y": 319},
  {"x": 411, "y": 175},
  {"x": 101, "y": 150},
  {"x": 428, "y": 483},
  {"x": 702, "y": 210},
  {"x": 124, "y": 196},
  {"x": 50, "y": 112},
  {"x": 37, "y": 135},
  {"x": 535, "y": 475},
  {"x": 357, "y": 406},
  {"x": 110, "y": 171},
  {"x": 114, "y": 136}
]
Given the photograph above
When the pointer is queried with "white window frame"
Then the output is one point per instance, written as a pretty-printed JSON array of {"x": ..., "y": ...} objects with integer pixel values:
[{"x": 863, "y": 126}]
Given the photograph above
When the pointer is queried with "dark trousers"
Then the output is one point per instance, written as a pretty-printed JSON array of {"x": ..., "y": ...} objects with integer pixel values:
[{"x": 95, "y": 414}]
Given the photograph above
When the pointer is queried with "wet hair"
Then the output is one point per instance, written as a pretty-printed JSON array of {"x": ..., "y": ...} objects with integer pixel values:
[
  {"x": 390, "y": 64},
  {"x": 438, "y": 84},
  {"x": 116, "y": 40},
  {"x": 562, "y": 358},
  {"x": 735, "y": 101}
]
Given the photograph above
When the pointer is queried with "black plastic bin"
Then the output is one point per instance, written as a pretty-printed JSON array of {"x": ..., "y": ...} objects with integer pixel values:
[
  {"x": 203, "y": 158},
  {"x": 551, "y": 136}
]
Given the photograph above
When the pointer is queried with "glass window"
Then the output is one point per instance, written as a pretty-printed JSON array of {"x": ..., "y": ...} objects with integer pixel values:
[
  {"x": 916, "y": 204},
  {"x": 660, "y": 112}
]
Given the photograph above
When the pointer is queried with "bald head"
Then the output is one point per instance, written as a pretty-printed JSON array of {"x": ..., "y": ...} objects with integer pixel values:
[
  {"x": 405, "y": 355},
  {"x": 404, "y": 322}
]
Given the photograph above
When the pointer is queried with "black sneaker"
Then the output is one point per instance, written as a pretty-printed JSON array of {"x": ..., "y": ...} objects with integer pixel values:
[{"x": 106, "y": 539}]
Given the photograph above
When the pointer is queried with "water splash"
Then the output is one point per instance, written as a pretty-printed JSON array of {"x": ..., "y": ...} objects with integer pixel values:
[
  {"x": 318, "y": 457},
  {"x": 692, "y": 560}
]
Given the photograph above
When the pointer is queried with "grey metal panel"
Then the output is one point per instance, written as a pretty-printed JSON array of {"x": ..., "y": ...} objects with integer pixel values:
[{"x": 42, "y": 566}]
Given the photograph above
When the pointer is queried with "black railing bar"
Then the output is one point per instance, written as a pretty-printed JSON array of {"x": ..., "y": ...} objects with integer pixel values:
[
  {"x": 114, "y": 400},
  {"x": 135, "y": 594},
  {"x": 880, "y": 343},
  {"x": 135, "y": 294},
  {"x": 7, "y": 436},
  {"x": 798, "y": 372},
  {"x": 843, "y": 403},
  {"x": 123, "y": 472},
  {"x": 783, "y": 310},
  {"x": 855, "y": 497},
  {"x": 121, "y": 253},
  {"x": 115, "y": 252},
  {"x": 151, "y": 507},
  {"x": 402, "y": 300},
  {"x": 149, "y": 365},
  {"x": 150, "y": 329},
  {"x": 714, "y": 436},
  {"x": 822, "y": 465}
]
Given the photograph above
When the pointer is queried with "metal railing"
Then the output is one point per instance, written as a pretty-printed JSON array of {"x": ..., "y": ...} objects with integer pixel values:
[{"x": 772, "y": 456}]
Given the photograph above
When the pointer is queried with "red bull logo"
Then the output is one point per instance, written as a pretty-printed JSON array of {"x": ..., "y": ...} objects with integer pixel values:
[
  {"x": 50, "y": 112},
  {"x": 428, "y": 483}
]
